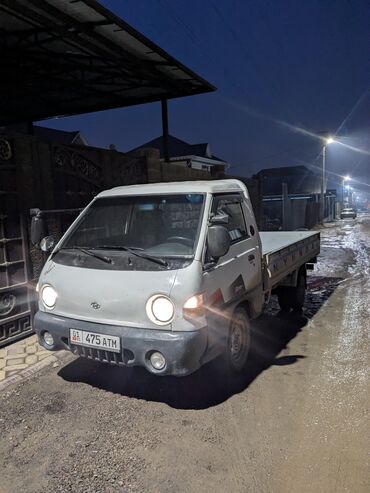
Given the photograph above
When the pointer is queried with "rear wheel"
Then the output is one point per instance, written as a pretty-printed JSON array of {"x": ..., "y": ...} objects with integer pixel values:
[
  {"x": 283, "y": 294},
  {"x": 238, "y": 342},
  {"x": 299, "y": 292},
  {"x": 293, "y": 296}
]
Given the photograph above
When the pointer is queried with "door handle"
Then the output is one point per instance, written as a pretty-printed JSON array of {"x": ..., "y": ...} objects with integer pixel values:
[{"x": 251, "y": 257}]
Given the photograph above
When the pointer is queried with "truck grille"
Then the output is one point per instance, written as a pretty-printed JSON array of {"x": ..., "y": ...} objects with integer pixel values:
[{"x": 100, "y": 355}]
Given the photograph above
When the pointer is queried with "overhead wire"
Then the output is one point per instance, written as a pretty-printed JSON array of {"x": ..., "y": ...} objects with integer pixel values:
[
  {"x": 198, "y": 43},
  {"x": 248, "y": 57},
  {"x": 270, "y": 156},
  {"x": 194, "y": 38}
]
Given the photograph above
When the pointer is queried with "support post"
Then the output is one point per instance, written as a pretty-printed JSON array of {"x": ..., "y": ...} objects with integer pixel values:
[
  {"x": 166, "y": 153},
  {"x": 343, "y": 193},
  {"x": 286, "y": 211},
  {"x": 322, "y": 197}
]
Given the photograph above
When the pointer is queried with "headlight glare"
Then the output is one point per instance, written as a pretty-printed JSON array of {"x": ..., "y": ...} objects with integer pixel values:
[
  {"x": 194, "y": 306},
  {"x": 48, "y": 296}
]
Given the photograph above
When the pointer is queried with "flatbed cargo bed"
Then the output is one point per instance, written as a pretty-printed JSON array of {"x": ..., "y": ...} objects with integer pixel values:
[{"x": 286, "y": 251}]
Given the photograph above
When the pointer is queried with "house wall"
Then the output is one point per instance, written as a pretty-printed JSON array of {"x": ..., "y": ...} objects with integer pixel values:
[
  {"x": 158, "y": 170},
  {"x": 298, "y": 214},
  {"x": 302, "y": 213}
]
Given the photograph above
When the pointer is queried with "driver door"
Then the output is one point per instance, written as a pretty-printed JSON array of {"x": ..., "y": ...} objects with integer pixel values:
[{"x": 239, "y": 271}]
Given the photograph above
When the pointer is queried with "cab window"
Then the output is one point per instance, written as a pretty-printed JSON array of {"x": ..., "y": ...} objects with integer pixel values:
[{"x": 231, "y": 205}]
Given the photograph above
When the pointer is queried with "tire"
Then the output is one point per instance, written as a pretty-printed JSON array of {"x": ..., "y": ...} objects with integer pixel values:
[
  {"x": 293, "y": 297},
  {"x": 299, "y": 294},
  {"x": 238, "y": 342},
  {"x": 284, "y": 298}
]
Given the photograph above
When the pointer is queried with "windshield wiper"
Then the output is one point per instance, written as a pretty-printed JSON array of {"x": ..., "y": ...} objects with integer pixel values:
[
  {"x": 133, "y": 251},
  {"x": 116, "y": 247},
  {"x": 103, "y": 258}
]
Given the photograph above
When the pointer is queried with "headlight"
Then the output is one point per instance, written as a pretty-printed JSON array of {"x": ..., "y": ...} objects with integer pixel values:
[
  {"x": 48, "y": 296},
  {"x": 160, "y": 309}
]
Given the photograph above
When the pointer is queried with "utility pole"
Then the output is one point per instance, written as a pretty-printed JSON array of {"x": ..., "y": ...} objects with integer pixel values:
[
  {"x": 322, "y": 197},
  {"x": 166, "y": 153}
]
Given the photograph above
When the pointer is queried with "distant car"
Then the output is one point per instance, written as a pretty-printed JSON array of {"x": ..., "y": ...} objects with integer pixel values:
[{"x": 347, "y": 213}]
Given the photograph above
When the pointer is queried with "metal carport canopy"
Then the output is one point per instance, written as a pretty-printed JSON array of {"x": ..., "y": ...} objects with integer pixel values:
[{"x": 66, "y": 57}]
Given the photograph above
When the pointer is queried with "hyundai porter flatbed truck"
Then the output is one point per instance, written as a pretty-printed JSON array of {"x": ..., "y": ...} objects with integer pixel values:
[{"x": 167, "y": 276}]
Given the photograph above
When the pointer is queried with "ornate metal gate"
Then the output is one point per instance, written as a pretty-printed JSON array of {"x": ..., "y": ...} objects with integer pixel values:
[{"x": 16, "y": 305}]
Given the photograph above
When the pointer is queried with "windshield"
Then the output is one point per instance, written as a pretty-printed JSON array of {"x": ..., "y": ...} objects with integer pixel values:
[{"x": 163, "y": 225}]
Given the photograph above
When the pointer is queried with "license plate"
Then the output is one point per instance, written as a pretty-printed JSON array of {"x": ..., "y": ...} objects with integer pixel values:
[{"x": 93, "y": 339}]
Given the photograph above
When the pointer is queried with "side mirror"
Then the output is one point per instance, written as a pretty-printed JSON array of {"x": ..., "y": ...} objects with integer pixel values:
[
  {"x": 38, "y": 229},
  {"x": 218, "y": 241},
  {"x": 47, "y": 243}
]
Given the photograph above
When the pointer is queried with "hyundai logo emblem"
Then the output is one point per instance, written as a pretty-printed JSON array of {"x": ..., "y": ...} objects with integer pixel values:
[{"x": 95, "y": 305}]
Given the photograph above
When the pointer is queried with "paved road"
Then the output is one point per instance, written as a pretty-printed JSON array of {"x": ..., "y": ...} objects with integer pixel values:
[{"x": 295, "y": 421}]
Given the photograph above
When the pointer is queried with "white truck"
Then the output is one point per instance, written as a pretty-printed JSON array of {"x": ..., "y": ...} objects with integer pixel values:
[{"x": 167, "y": 276}]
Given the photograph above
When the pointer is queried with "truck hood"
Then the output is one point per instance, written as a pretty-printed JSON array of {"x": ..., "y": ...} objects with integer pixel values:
[{"x": 119, "y": 297}]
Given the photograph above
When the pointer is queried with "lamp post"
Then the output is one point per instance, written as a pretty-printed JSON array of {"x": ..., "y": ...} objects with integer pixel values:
[
  {"x": 327, "y": 142},
  {"x": 349, "y": 195},
  {"x": 345, "y": 178}
]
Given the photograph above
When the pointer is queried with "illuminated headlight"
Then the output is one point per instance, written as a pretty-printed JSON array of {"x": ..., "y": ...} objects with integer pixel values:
[
  {"x": 160, "y": 309},
  {"x": 48, "y": 296}
]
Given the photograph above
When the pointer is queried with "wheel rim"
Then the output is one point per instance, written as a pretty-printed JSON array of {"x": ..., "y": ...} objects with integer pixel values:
[{"x": 239, "y": 341}]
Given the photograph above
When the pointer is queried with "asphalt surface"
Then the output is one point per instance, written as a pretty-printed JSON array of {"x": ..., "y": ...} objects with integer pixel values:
[{"x": 296, "y": 420}]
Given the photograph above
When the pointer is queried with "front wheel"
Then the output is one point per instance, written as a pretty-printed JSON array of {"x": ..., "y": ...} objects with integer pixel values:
[{"x": 238, "y": 342}]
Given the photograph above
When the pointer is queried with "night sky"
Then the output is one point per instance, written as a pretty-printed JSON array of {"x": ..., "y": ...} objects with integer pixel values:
[{"x": 278, "y": 65}]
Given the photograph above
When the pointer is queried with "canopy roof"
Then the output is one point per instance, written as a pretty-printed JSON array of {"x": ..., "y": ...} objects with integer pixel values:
[{"x": 65, "y": 57}]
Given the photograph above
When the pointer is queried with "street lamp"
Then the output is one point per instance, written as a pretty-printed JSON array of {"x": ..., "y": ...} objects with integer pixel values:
[{"x": 327, "y": 142}]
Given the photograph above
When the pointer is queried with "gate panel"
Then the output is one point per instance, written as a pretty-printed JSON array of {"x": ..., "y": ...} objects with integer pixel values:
[{"x": 15, "y": 293}]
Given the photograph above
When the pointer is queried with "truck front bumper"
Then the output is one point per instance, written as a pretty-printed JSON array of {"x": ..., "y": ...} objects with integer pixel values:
[{"x": 184, "y": 351}]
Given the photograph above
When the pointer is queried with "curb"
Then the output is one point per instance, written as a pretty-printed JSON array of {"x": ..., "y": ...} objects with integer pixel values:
[{"x": 30, "y": 372}]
